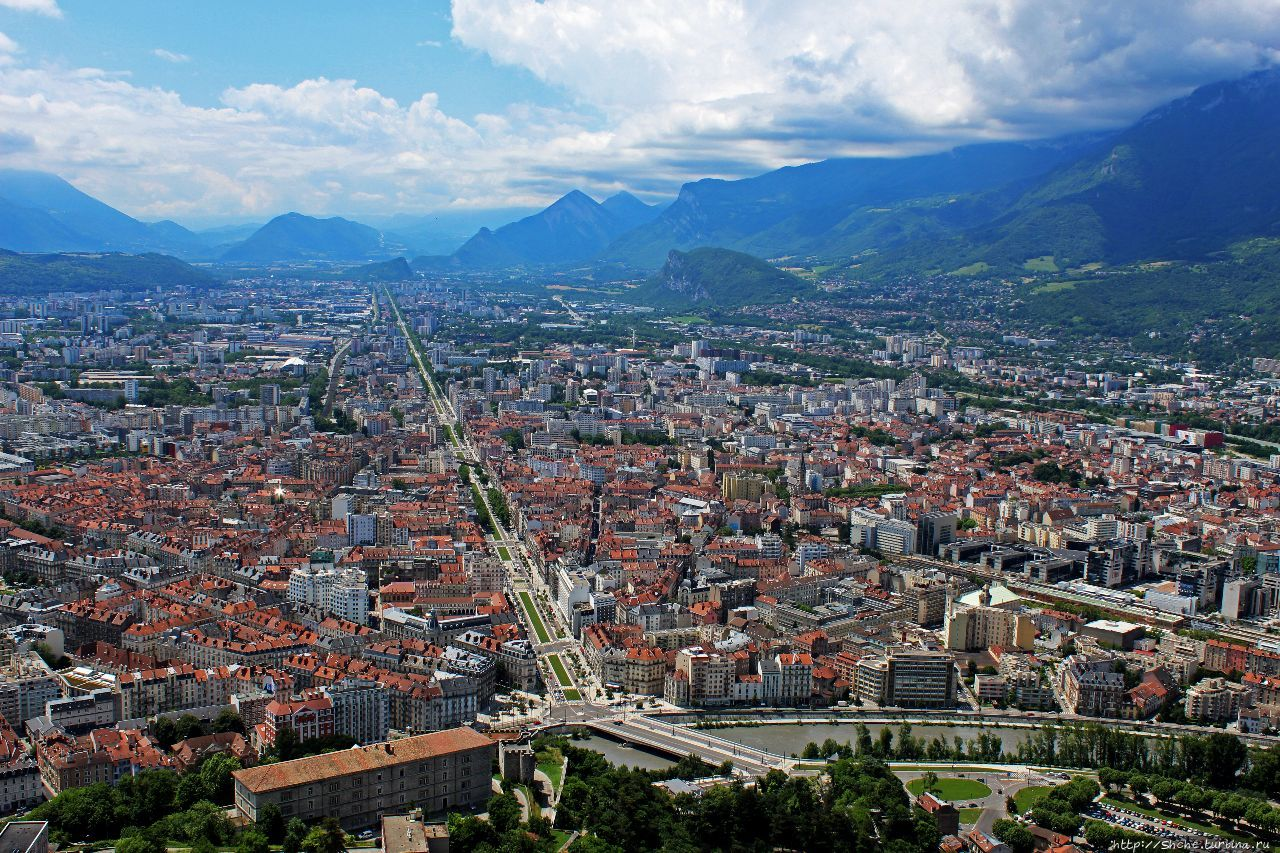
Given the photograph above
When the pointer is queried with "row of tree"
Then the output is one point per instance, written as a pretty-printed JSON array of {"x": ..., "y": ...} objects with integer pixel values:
[
  {"x": 1217, "y": 760},
  {"x": 1179, "y": 794},
  {"x": 904, "y": 746}
]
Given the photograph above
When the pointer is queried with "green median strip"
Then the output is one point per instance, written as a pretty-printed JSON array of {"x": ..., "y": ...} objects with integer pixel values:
[
  {"x": 504, "y": 554},
  {"x": 532, "y": 612},
  {"x": 562, "y": 675}
]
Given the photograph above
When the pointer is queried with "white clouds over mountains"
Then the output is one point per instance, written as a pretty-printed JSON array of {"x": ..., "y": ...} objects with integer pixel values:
[{"x": 660, "y": 91}]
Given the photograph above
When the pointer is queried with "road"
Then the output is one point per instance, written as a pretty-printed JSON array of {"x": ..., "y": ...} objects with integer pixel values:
[
  {"x": 335, "y": 375},
  {"x": 518, "y": 563}
]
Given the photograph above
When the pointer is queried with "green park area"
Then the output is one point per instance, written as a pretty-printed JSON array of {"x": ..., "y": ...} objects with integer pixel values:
[
  {"x": 951, "y": 789},
  {"x": 1026, "y": 798}
]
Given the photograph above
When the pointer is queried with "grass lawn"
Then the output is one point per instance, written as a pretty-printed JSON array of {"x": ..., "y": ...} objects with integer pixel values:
[
  {"x": 1207, "y": 828},
  {"x": 504, "y": 554},
  {"x": 1044, "y": 263},
  {"x": 968, "y": 816},
  {"x": 953, "y": 789},
  {"x": 562, "y": 674},
  {"x": 1055, "y": 287},
  {"x": 538, "y": 628},
  {"x": 553, "y": 768},
  {"x": 1028, "y": 797},
  {"x": 972, "y": 269},
  {"x": 571, "y": 695},
  {"x": 560, "y": 837},
  {"x": 448, "y": 431}
]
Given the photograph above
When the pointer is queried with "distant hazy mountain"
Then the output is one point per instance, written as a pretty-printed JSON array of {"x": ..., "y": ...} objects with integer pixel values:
[
  {"x": 573, "y": 229},
  {"x": 630, "y": 211},
  {"x": 396, "y": 269},
  {"x": 295, "y": 237},
  {"x": 223, "y": 237},
  {"x": 39, "y": 274},
  {"x": 40, "y": 212},
  {"x": 718, "y": 278},
  {"x": 442, "y": 232}
]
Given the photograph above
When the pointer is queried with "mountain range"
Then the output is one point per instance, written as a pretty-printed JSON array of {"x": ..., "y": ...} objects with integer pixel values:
[
  {"x": 1185, "y": 181},
  {"x": 40, "y": 212},
  {"x": 575, "y": 228}
]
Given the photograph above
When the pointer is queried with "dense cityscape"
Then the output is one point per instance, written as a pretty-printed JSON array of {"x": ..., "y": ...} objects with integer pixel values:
[
  {"x": 571, "y": 426},
  {"x": 448, "y": 528}
]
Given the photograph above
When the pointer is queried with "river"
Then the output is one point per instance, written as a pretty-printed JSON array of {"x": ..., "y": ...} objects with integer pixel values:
[
  {"x": 624, "y": 755},
  {"x": 789, "y": 738}
]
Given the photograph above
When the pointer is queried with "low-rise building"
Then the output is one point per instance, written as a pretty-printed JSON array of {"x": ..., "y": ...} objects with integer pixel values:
[{"x": 438, "y": 772}]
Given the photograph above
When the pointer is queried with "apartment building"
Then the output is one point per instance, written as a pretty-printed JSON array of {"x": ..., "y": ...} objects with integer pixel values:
[
  {"x": 361, "y": 710},
  {"x": 918, "y": 678},
  {"x": 1216, "y": 700},
  {"x": 970, "y": 629}
]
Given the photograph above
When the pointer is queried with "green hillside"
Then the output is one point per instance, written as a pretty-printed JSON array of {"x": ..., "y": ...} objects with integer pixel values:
[
  {"x": 39, "y": 275},
  {"x": 718, "y": 278},
  {"x": 1214, "y": 311}
]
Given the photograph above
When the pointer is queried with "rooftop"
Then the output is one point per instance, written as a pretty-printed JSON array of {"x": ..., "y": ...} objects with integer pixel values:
[{"x": 287, "y": 774}]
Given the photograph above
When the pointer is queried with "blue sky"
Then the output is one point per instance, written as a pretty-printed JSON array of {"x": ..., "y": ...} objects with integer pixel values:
[
  {"x": 398, "y": 47},
  {"x": 237, "y": 111}
]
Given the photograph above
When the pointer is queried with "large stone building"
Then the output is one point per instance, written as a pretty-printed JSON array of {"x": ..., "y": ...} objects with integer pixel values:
[
  {"x": 438, "y": 772},
  {"x": 1091, "y": 687}
]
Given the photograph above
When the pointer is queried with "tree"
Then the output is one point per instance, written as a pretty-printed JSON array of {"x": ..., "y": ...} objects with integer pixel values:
[
  {"x": 271, "y": 823},
  {"x": 504, "y": 812},
  {"x": 325, "y": 837},
  {"x": 471, "y": 833},
  {"x": 286, "y": 745},
  {"x": 139, "y": 844},
  {"x": 166, "y": 733},
  {"x": 227, "y": 721},
  {"x": 591, "y": 844},
  {"x": 207, "y": 821},
  {"x": 1100, "y": 835},
  {"x": 1224, "y": 756},
  {"x": 574, "y": 803},
  {"x": 215, "y": 775},
  {"x": 1014, "y": 834},
  {"x": 930, "y": 782},
  {"x": 252, "y": 841},
  {"x": 188, "y": 725},
  {"x": 295, "y": 834}
]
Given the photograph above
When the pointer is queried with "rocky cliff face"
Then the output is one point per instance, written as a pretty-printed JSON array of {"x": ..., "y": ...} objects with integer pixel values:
[{"x": 677, "y": 276}]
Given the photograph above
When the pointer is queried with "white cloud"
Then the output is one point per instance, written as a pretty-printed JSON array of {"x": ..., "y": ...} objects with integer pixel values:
[
  {"x": 659, "y": 92},
  {"x": 170, "y": 56},
  {"x": 430, "y": 43},
  {"x": 7, "y": 45},
  {"x": 788, "y": 80},
  {"x": 41, "y": 7}
]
